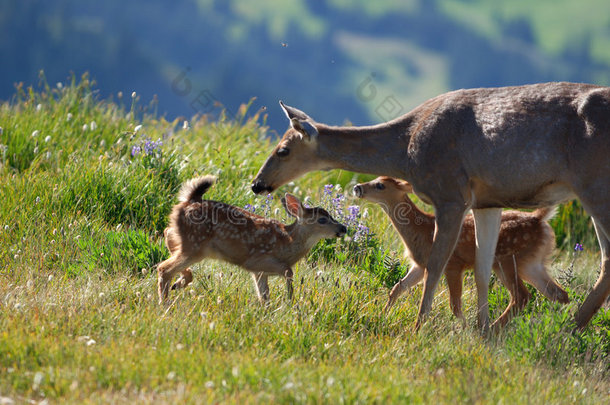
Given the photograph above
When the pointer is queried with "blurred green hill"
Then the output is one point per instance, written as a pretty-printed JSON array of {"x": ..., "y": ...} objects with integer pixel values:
[{"x": 339, "y": 60}]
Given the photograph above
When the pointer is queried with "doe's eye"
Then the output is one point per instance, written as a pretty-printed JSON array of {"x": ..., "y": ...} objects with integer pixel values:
[
  {"x": 322, "y": 220},
  {"x": 379, "y": 186},
  {"x": 283, "y": 152}
]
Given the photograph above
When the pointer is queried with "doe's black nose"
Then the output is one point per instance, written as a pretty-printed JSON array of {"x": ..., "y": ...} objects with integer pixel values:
[
  {"x": 342, "y": 231},
  {"x": 358, "y": 190},
  {"x": 258, "y": 187}
]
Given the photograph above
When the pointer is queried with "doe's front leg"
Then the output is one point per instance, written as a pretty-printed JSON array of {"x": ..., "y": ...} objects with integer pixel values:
[{"x": 448, "y": 226}]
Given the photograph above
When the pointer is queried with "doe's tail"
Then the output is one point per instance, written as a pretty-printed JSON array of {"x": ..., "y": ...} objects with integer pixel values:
[{"x": 193, "y": 189}]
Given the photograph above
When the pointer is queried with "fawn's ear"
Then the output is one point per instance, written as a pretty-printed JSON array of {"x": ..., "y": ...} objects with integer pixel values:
[
  {"x": 293, "y": 206},
  {"x": 405, "y": 186},
  {"x": 300, "y": 121}
]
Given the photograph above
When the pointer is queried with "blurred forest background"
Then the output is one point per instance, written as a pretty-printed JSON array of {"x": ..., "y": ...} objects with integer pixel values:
[{"x": 355, "y": 61}]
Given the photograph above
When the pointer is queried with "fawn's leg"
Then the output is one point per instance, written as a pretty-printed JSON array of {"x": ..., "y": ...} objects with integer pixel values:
[
  {"x": 166, "y": 271},
  {"x": 455, "y": 280},
  {"x": 414, "y": 276},
  {"x": 172, "y": 241},
  {"x": 288, "y": 275},
  {"x": 262, "y": 287},
  {"x": 519, "y": 295}
]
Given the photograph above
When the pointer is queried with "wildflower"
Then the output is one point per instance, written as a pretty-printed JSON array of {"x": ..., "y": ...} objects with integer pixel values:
[
  {"x": 85, "y": 127},
  {"x": 37, "y": 200},
  {"x": 328, "y": 189},
  {"x": 69, "y": 117},
  {"x": 47, "y": 138},
  {"x": 353, "y": 210},
  {"x": 137, "y": 128},
  {"x": 150, "y": 147},
  {"x": 249, "y": 207},
  {"x": 135, "y": 150},
  {"x": 59, "y": 85},
  {"x": 35, "y": 133},
  {"x": 38, "y": 107},
  {"x": 133, "y": 94},
  {"x": 93, "y": 125},
  {"x": 185, "y": 125},
  {"x": 362, "y": 232},
  {"x": 578, "y": 248}
]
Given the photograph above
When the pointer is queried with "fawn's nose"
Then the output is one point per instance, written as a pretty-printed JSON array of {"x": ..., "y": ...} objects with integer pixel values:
[
  {"x": 358, "y": 190},
  {"x": 342, "y": 231}
]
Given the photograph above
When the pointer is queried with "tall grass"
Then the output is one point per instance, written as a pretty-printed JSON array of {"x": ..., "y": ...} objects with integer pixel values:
[{"x": 86, "y": 188}]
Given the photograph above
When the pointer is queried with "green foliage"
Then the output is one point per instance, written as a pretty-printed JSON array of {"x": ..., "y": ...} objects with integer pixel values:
[
  {"x": 79, "y": 321},
  {"x": 121, "y": 252}
]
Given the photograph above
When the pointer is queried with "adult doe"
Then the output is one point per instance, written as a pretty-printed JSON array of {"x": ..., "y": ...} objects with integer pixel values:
[
  {"x": 265, "y": 247},
  {"x": 519, "y": 147}
]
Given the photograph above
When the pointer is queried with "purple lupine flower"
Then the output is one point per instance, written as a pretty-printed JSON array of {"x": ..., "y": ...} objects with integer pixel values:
[
  {"x": 328, "y": 189},
  {"x": 362, "y": 233},
  {"x": 150, "y": 146},
  {"x": 249, "y": 207},
  {"x": 135, "y": 150},
  {"x": 578, "y": 248}
]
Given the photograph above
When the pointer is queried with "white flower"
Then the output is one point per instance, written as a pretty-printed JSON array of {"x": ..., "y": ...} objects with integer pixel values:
[
  {"x": 185, "y": 124},
  {"x": 38, "y": 107},
  {"x": 93, "y": 125},
  {"x": 90, "y": 342},
  {"x": 59, "y": 85},
  {"x": 37, "y": 200},
  {"x": 133, "y": 94},
  {"x": 209, "y": 384},
  {"x": 47, "y": 138},
  {"x": 137, "y": 128},
  {"x": 35, "y": 133},
  {"x": 35, "y": 149},
  {"x": 48, "y": 155},
  {"x": 85, "y": 127},
  {"x": 69, "y": 117}
]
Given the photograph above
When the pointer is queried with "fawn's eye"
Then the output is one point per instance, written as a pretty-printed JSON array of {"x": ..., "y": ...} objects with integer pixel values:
[
  {"x": 322, "y": 220},
  {"x": 283, "y": 152},
  {"x": 379, "y": 186}
]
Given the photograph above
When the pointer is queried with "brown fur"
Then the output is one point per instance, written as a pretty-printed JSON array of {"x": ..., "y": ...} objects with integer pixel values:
[
  {"x": 210, "y": 229},
  {"x": 482, "y": 149},
  {"x": 525, "y": 244}
]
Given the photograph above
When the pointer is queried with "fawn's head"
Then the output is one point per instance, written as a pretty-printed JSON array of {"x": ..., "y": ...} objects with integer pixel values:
[
  {"x": 294, "y": 155},
  {"x": 317, "y": 221},
  {"x": 382, "y": 189}
]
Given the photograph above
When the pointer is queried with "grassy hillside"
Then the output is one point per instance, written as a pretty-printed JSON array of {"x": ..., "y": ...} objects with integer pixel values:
[{"x": 86, "y": 187}]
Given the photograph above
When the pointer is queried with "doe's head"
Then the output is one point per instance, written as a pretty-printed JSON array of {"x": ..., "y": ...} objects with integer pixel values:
[
  {"x": 316, "y": 220},
  {"x": 294, "y": 155},
  {"x": 382, "y": 189}
]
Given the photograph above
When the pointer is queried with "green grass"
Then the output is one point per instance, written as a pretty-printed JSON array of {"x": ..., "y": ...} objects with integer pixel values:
[{"x": 81, "y": 223}]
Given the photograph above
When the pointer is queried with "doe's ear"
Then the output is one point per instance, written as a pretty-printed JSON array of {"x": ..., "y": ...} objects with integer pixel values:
[
  {"x": 300, "y": 121},
  {"x": 293, "y": 206}
]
